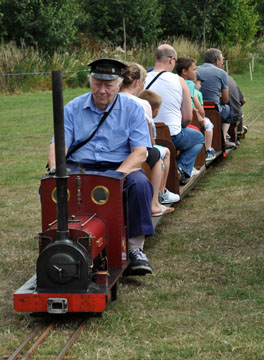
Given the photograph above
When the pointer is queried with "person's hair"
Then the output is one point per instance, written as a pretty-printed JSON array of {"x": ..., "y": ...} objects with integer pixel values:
[
  {"x": 183, "y": 63},
  {"x": 212, "y": 55},
  {"x": 152, "y": 97},
  {"x": 133, "y": 72},
  {"x": 163, "y": 52},
  {"x": 119, "y": 80}
]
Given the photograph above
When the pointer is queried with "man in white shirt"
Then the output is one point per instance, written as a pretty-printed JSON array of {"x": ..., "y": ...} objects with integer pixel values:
[{"x": 176, "y": 109}]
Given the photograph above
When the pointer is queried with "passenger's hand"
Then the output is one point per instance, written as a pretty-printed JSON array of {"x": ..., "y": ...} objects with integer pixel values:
[{"x": 51, "y": 171}]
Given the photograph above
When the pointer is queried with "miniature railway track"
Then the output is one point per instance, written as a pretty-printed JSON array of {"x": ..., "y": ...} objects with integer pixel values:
[
  {"x": 22, "y": 353},
  {"x": 254, "y": 115}
]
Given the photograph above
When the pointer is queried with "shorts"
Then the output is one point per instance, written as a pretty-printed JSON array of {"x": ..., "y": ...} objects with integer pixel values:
[
  {"x": 162, "y": 151},
  {"x": 227, "y": 113},
  {"x": 153, "y": 157}
]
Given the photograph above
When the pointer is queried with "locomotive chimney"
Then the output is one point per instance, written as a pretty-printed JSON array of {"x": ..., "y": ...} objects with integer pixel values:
[{"x": 61, "y": 175}]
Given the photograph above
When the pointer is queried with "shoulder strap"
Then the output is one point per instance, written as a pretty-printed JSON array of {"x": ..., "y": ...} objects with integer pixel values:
[
  {"x": 92, "y": 135},
  {"x": 155, "y": 78}
]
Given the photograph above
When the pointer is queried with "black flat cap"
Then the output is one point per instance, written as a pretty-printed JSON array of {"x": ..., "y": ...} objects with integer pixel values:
[{"x": 106, "y": 69}]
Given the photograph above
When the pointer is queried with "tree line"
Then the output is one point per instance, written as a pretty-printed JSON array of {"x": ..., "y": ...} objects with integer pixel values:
[{"x": 55, "y": 25}]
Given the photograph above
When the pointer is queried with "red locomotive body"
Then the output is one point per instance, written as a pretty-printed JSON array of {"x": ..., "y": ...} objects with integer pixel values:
[{"x": 80, "y": 273}]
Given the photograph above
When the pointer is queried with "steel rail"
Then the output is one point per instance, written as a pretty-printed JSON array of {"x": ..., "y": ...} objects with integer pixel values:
[
  {"x": 252, "y": 112},
  {"x": 39, "y": 341},
  {"x": 34, "y": 347},
  {"x": 256, "y": 118},
  {"x": 21, "y": 347},
  {"x": 71, "y": 341}
]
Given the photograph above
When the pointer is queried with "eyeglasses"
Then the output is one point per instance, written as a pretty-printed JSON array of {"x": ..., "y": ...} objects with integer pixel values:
[{"x": 172, "y": 57}]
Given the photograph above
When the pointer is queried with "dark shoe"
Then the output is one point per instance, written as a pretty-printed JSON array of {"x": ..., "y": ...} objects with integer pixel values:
[
  {"x": 183, "y": 177},
  {"x": 210, "y": 155},
  {"x": 139, "y": 263},
  {"x": 237, "y": 143}
]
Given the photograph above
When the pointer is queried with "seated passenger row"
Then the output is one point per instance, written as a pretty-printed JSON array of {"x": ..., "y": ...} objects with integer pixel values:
[
  {"x": 176, "y": 111},
  {"x": 107, "y": 130}
]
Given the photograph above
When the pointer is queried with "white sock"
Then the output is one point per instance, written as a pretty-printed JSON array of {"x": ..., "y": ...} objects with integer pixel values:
[{"x": 136, "y": 242}]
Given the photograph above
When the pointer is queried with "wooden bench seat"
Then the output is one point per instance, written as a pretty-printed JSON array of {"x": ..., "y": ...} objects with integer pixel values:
[
  {"x": 164, "y": 139},
  {"x": 210, "y": 106},
  {"x": 200, "y": 159},
  {"x": 215, "y": 118}
]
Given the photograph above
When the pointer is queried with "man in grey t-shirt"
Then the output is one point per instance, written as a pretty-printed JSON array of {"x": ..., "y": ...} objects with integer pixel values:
[
  {"x": 236, "y": 98},
  {"x": 215, "y": 87}
]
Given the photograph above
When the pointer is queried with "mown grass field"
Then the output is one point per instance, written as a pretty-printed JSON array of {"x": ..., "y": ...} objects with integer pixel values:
[{"x": 205, "y": 298}]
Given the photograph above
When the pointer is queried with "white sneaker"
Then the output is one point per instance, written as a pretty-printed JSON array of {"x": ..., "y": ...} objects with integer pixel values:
[
  {"x": 168, "y": 197},
  {"x": 194, "y": 172}
]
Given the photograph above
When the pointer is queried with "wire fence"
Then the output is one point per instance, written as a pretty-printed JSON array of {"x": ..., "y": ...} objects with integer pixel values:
[
  {"x": 40, "y": 80},
  {"x": 42, "y": 73},
  {"x": 240, "y": 65},
  {"x": 25, "y": 81}
]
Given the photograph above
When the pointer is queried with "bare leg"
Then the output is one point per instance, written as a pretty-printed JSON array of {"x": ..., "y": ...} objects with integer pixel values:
[
  {"x": 225, "y": 128},
  {"x": 156, "y": 172},
  {"x": 208, "y": 139},
  {"x": 165, "y": 173}
]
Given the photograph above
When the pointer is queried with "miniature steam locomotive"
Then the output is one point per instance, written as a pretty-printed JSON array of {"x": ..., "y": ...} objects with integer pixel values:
[{"x": 83, "y": 243}]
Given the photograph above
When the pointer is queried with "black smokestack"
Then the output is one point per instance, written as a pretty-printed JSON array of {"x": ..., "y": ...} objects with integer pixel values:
[{"x": 61, "y": 175}]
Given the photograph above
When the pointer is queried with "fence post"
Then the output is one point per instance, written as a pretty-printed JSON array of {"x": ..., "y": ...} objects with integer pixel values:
[
  {"x": 250, "y": 71},
  {"x": 226, "y": 63},
  {"x": 125, "y": 42}
]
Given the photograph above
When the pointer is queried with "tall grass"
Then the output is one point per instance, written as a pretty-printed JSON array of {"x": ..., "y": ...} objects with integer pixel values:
[{"x": 24, "y": 68}]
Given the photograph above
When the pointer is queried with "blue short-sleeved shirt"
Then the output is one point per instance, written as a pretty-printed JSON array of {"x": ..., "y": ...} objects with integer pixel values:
[
  {"x": 191, "y": 86},
  {"x": 124, "y": 128},
  {"x": 214, "y": 80}
]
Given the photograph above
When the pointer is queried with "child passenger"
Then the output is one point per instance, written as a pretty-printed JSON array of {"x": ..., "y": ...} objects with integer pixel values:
[
  {"x": 165, "y": 196},
  {"x": 208, "y": 126},
  {"x": 186, "y": 68}
]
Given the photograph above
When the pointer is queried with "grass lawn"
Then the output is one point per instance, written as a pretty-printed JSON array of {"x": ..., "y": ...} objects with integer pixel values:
[{"x": 205, "y": 298}]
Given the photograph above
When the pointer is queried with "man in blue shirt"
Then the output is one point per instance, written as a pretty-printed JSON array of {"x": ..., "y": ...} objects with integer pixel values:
[
  {"x": 215, "y": 87},
  {"x": 119, "y": 144}
]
